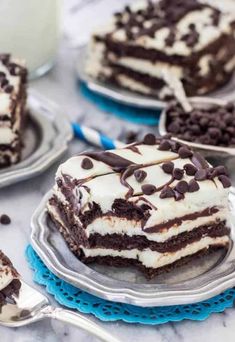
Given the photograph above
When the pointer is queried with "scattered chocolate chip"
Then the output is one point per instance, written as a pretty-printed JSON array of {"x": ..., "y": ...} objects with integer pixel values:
[
  {"x": 190, "y": 169},
  {"x": 3, "y": 82},
  {"x": 201, "y": 174},
  {"x": 225, "y": 181},
  {"x": 140, "y": 175},
  {"x": 184, "y": 152},
  {"x": 182, "y": 187},
  {"x": 164, "y": 145},
  {"x": 5, "y": 219},
  {"x": 87, "y": 164},
  {"x": 166, "y": 192},
  {"x": 149, "y": 139},
  {"x": 168, "y": 167},
  {"x": 193, "y": 186},
  {"x": 8, "y": 88},
  {"x": 178, "y": 173},
  {"x": 221, "y": 170},
  {"x": 178, "y": 195},
  {"x": 148, "y": 189},
  {"x": 2, "y": 74}
]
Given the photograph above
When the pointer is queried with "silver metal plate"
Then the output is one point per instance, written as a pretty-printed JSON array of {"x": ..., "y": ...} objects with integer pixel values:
[
  {"x": 133, "y": 99},
  {"x": 197, "y": 281},
  {"x": 46, "y": 138}
]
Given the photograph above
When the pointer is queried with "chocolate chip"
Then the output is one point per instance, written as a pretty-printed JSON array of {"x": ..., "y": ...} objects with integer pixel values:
[
  {"x": 5, "y": 219},
  {"x": 184, "y": 152},
  {"x": 221, "y": 170},
  {"x": 140, "y": 175},
  {"x": 148, "y": 189},
  {"x": 178, "y": 196},
  {"x": 178, "y": 173},
  {"x": 201, "y": 174},
  {"x": 8, "y": 88},
  {"x": 3, "y": 82},
  {"x": 193, "y": 186},
  {"x": 168, "y": 167},
  {"x": 87, "y": 164},
  {"x": 182, "y": 187},
  {"x": 167, "y": 192},
  {"x": 2, "y": 74},
  {"x": 149, "y": 139},
  {"x": 164, "y": 145},
  {"x": 190, "y": 169},
  {"x": 225, "y": 181}
]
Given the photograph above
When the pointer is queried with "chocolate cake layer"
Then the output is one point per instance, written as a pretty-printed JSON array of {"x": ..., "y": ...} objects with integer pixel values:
[{"x": 191, "y": 40}]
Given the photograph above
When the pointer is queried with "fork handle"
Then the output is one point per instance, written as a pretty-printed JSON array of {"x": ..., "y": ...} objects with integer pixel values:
[{"x": 82, "y": 322}]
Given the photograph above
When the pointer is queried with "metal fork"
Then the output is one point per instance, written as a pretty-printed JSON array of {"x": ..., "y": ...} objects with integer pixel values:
[{"x": 31, "y": 306}]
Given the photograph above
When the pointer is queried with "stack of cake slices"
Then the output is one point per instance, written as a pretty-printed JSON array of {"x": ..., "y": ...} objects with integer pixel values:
[
  {"x": 13, "y": 78},
  {"x": 192, "y": 40},
  {"x": 153, "y": 204}
]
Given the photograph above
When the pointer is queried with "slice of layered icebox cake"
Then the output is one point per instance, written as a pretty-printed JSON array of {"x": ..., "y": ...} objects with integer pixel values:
[
  {"x": 9, "y": 280},
  {"x": 154, "y": 204},
  {"x": 13, "y": 79},
  {"x": 190, "y": 39}
]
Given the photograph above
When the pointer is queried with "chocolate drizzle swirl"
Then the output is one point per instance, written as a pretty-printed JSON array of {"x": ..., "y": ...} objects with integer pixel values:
[{"x": 116, "y": 162}]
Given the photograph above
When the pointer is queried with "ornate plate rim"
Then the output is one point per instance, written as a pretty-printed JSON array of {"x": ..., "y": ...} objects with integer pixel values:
[
  {"x": 130, "y": 98},
  {"x": 221, "y": 277},
  {"x": 48, "y": 151}
]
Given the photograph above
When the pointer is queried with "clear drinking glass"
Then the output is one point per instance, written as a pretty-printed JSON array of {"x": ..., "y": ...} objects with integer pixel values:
[{"x": 29, "y": 29}]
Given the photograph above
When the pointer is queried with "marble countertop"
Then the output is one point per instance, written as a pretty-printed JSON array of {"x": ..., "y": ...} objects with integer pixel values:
[{"x": 20, "y": 200}]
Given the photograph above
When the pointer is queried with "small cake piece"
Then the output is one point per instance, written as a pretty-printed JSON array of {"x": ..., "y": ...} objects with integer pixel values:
[
  {"x": 210, "y": 125},
  {"x": 187, "y": 38},
  {"x": 13, "y": 78},
  {"x": 152, "y": 204},
  {"x": 9, "y": 280}
]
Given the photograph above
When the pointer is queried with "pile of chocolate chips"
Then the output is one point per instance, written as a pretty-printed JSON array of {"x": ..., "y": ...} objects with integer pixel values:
[{"x": 211, "y": 126}]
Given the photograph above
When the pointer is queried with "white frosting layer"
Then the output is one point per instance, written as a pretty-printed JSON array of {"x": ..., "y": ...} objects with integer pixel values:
[
  {"x": 153, "y": 259},
  {"x": 6, "y": 135}
]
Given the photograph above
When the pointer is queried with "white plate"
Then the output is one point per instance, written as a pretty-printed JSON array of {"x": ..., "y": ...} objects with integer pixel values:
[
  {"x": 46, "y": 138},
  {"x": 197, "y": 281}
]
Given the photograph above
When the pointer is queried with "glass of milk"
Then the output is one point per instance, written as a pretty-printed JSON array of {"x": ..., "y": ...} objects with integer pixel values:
[{"x": 29, "y": 29}]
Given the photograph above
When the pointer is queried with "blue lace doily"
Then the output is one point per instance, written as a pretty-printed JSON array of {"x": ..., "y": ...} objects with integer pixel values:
[
  {"x": 133, "y": 114},
  {"x": 75, "y": 298}
]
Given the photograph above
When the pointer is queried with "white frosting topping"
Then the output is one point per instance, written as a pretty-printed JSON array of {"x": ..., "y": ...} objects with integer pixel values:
[{"x": 102, "y": 185}]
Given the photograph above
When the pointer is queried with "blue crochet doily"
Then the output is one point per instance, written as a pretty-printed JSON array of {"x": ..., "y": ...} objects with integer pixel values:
[
  {"x": 133, "y": 114},
  {"x": 75, "y": 298}
]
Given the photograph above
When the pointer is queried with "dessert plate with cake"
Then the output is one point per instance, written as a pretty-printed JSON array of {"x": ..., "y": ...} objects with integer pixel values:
[
  {"x": 129, "y": 58},
  {"x": 148, "y": 224},
  {"x": 33, "y": 132}
]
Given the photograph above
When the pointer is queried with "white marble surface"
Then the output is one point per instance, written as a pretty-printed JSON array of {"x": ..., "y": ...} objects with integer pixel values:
[{"x": 20, "y": 200}]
